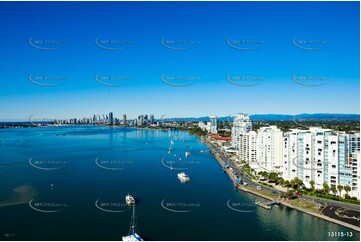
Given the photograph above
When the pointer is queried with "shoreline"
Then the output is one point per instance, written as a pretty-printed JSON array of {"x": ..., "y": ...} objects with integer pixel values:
[{"x": 284, "y": 202}]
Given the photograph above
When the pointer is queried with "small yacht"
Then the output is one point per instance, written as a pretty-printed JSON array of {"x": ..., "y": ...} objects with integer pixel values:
[
  {"x": 188, "y": 154},
  {"x": 129, "y": 199},
  {"x": 183, "y": 177}
]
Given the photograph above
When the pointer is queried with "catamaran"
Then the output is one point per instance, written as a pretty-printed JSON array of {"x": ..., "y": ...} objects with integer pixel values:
[{"x": 132, "y": 235}]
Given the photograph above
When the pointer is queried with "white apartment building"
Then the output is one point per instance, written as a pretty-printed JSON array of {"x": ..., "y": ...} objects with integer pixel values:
[
  {"x": 269, "y": 149},
  {"x": 202, "y": 125},
  {"x": 321, "y": 155},
  {"x": 241, "y": 125},
  {"x": 297, "y": 154},
  {"x": 213, "y": 125},
  {"x": 356, "y": 167},
  {"x": 247, "y": 147}
]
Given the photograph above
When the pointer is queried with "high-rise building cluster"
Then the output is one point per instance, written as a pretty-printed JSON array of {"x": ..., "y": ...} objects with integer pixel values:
[
  {"x": 211, "y": 126},
  {"x": 317, "y": 154},
  {"x": 101, "y": 119},
  {"x": 143, "y": 120}
]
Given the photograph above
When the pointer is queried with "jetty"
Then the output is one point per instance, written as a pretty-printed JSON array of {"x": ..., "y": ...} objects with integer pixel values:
[{"x": 268, "y": 205}]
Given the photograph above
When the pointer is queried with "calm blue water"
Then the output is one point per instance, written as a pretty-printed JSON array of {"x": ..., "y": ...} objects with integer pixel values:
[{"x": 77, "y": 177}]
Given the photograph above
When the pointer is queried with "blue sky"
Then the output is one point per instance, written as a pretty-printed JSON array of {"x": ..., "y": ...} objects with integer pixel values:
[{"x": 204, "y": 27}]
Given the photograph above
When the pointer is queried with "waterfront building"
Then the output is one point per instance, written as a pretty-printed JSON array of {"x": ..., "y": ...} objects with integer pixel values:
[
  {"x": 221, "y": 141},
  {"x": 124, "y": 121},
  {"x": 247, "y": 147},
  {"x": 297, "y": 155},
  {"x": 323, "y": 156},
  {"x": 241, "y": 125},
  {"x": 140, "y": 120},
  {"x": 202, "y": 126},
  {"x": 317, "y": 154},
  {"x": 213, "y": 125},
  {"x": 151, "y": 119},
  {"x": 145, "y": 120},
  {"x": 354, "y": 143},
  {"x": 356, "y": 169},
  {"x": 269, "y": 149},
  {"x": 208, "y": 127},
  {"x": 111, "y": 119}
]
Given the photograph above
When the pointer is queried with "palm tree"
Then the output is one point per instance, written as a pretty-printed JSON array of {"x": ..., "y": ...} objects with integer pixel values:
[
  {"x": 297, "y": 183},
  {"x": 339, "y": 188},
  {"x": 326, "y": 188},
  {"x": 281, "y": 181},
  {"x": 347, "y": 189},
  {"x": 333, "y": 189},
  {"x": 312, "y": 183}
]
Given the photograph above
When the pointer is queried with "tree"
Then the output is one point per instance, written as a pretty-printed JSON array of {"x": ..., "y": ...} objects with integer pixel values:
[
  {"x": 312, "y": 183},
  {"x": 347, "y": 189},
  {"x": 280, "y": 181},
  {"x": 333, "y": 189},
  {"x": 296, "y": 183},
  {"x": 263, "y": 174},
  {"x": 287, "y": 183},
  {"x": 273, "y": 176},
  {"x": 326, "y": 188},
  {"x": 340, "y": 188}
]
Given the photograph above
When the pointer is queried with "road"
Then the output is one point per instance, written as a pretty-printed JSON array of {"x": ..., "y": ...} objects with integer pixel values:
[{"x": 239, "y": 171}]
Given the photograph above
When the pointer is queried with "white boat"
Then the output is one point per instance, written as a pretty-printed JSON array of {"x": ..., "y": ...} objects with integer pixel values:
[
  {"x": 188, "y": 154},
  {"x": 183, "y": 177},
  {"x": 132, "y": 235},
  {"x": 129, "y": 199}
]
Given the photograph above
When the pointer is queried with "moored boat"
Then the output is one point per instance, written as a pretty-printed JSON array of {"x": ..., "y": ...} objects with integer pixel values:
[
  {"x": 132, "y": 235},
  {"x": 183, "y": 177},
  {"x": 129, "y": 199}
]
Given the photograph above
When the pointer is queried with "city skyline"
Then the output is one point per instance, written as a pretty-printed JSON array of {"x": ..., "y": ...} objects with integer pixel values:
[
  {"x": 240, "y": 116},
  {"x": 228, "y": 60},
  {"x": 120, "y": 116}
]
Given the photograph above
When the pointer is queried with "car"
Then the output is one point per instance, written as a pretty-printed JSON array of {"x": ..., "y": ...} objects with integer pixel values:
[
  {"x": 245, "y": 183},
  {"x": 259, "y": 188}
]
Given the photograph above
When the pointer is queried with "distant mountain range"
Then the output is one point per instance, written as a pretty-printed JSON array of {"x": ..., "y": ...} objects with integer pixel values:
[{"x": 283, "y": 117}]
